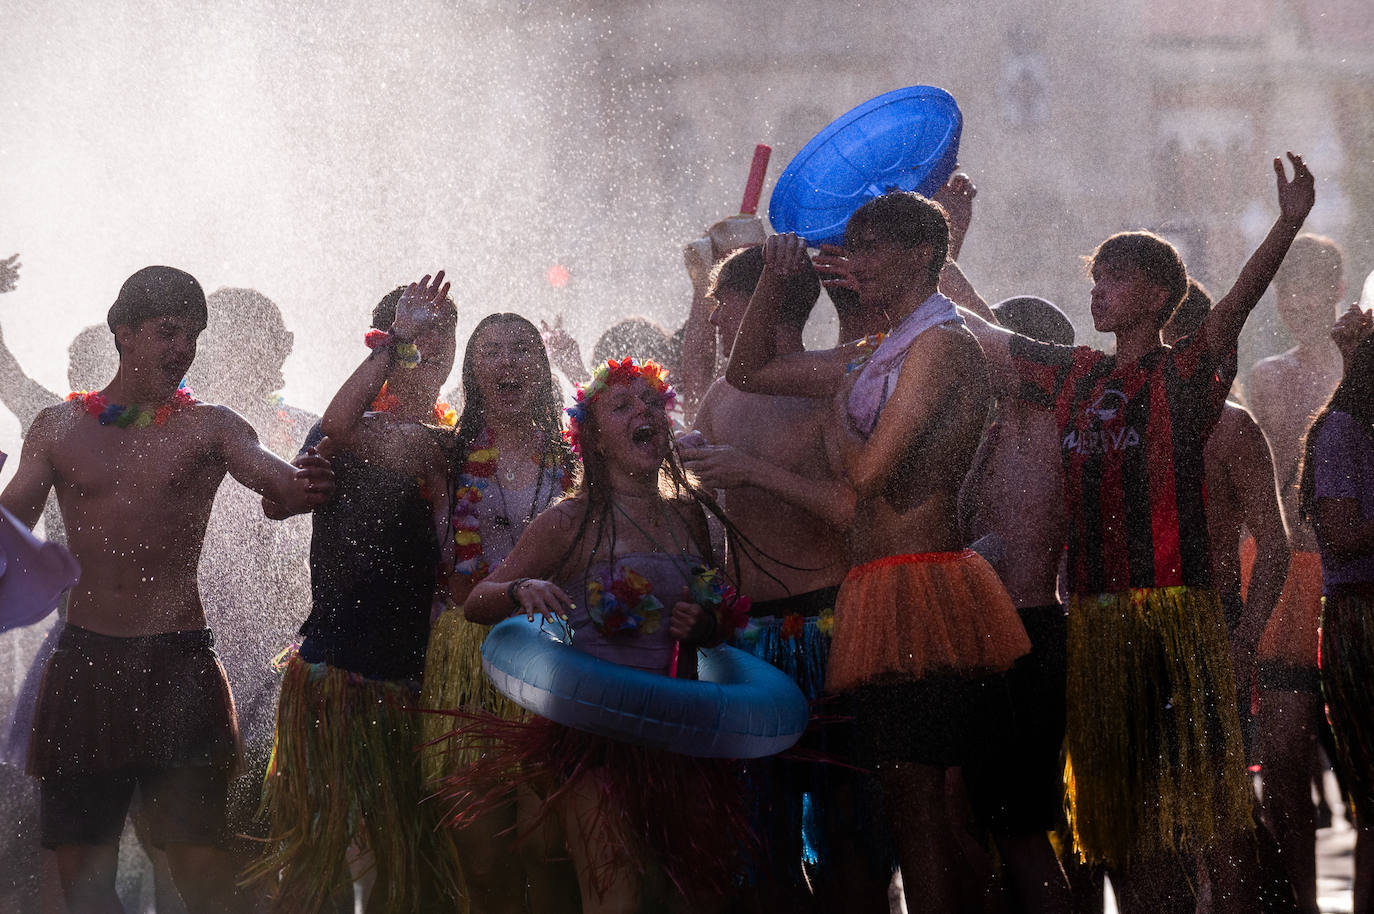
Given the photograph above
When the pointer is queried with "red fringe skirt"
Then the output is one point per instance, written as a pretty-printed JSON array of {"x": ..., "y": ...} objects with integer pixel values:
[{"x": 683, "y": 815}]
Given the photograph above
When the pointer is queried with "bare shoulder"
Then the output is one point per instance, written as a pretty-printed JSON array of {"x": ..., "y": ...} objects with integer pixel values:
[
  {"x": 1238, "y": 437},
  {"x": 54, "y": 421},
  {"x": 951, "y": 350},
  {"x": 561, "y": 518},
  {"x": 1270, "y": 370},
  {"x": 706, "y": 411}
]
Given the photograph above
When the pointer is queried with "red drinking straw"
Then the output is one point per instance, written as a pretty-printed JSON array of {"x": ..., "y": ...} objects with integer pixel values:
[
  {"x": 754, "y": 188},
  {"x": 672, "y": 668}
]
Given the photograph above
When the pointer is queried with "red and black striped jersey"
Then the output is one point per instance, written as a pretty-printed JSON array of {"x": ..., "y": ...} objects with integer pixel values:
[{"x": 1131, "y": 439}]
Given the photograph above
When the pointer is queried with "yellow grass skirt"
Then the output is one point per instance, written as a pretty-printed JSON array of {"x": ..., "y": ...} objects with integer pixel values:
[
  {"x": 344, "y": 772},
  {"x": 454, "y": 680},
  {"x": 1155, "y": 762}
]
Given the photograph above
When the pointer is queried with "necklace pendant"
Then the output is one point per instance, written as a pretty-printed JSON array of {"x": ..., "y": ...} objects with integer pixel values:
[{"x": 510, "y": 475}]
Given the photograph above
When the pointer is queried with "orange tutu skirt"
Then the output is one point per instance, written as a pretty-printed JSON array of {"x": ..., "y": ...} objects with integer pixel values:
[
  {"x": 1291, "y": 635},
  {"x": 910, "y": 616}
]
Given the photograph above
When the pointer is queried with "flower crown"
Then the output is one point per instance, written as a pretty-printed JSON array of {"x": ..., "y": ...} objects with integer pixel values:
[{"x": 625, "y": 371}]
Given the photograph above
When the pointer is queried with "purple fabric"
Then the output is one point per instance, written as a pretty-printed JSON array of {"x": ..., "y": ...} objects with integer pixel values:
[
  {"x": 878, "y": 377},
  {"x": 1345, "y": 469},
  {"x": 647, "y": 650}
]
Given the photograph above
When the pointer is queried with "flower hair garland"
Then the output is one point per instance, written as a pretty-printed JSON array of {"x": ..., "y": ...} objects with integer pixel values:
[{"x": 625, "y": 371}]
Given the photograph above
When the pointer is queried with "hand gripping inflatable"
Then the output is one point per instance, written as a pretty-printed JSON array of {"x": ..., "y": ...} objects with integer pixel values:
[
  {"x": 741, "y": 707},
  {"x": 33, "y": 574},
  {"x": 907, "y": 139}
]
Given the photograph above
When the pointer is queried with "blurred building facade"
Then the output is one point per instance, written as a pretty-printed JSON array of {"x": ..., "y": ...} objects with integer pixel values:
[{"x": 1081, "y": 119}]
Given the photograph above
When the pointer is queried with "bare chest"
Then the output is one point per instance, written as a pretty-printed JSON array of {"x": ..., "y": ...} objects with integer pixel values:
[
  {"x": 785, "y": 430},
  {"x": 150, "y": 466}
]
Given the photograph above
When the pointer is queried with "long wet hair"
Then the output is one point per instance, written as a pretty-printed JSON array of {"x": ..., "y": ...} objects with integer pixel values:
[
  {"x": 1355, "y": 396},
  {"x": 548, "y": 407}
]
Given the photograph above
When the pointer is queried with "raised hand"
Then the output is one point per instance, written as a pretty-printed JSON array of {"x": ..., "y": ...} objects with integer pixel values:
[
  {"x": 957, "y": 199},
  {"x": 1296, "y": 196},
  {"x": 9, "y": 273},
  {"x": 563, "y": 349},
  {"x": 834, "y": 268},
  {"x": 784, "y": 255},
  {"x": 698, "y": 257},
  {"x": 420, "y": 306},
  {"x": 1350, "y": 330}
]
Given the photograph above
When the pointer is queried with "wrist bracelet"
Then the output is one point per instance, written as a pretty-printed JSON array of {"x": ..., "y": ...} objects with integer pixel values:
[
  {"x": 511, "y": 589},
  {"x": 405, "y": 352}
]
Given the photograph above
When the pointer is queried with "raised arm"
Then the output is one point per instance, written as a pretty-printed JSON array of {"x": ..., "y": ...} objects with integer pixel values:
[
  {"x": 755, "y": 365},
  {"x": 697, "y": 363},
  {"x": 418, "y": 307},
  {"x": 936, "y": 367},
  {"x": 21, "y": 394},
  {"x": 28, "y": 491},
  {"x": 1227, "y": 317}
]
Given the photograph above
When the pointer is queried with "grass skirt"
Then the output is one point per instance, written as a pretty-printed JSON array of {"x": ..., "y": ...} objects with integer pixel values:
[
  {"x": 1155, "y": 762},
  {"x": 911, "y": 616},
  {"x": 454, "y": 680},
  {"x": 344, "y": 770},
  {"x": 683, "y": 815},
  {"x": 1347, "y": 655}
]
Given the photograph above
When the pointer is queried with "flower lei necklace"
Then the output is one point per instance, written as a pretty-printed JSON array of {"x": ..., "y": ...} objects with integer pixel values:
[
  {"x": 864, "y": 351},
  {"x": 121, "y": 416},
  {"x": 479, "y": 471},
  {"x": 387, "y": 402}
]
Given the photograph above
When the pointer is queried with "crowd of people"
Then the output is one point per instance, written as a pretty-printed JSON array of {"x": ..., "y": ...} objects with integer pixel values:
[{"x": 1051, "y": 606}]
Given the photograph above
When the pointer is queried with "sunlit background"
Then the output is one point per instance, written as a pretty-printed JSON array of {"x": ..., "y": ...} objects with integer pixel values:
[{"x": 323, "y": 155}]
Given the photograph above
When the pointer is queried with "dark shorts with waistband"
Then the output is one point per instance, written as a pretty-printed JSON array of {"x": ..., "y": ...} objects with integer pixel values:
[
  {"x": 152, "y": 712},
  {"x": 1020, "y": 785}
]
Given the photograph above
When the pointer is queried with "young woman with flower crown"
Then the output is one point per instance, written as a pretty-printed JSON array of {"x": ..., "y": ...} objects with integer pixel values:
[
  {"x": 616, "y": 560},
  {"x": 512, "y": 461},
  {"x": 344, "y": 772}
]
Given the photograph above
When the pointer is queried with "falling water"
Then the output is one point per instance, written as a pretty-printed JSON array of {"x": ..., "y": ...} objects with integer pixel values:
[{"x": 323, "y": 153}]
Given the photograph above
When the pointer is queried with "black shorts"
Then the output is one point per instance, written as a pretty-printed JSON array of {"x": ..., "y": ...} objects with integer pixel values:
[
  {"x": 178, "y": 806},
  {"x": 1022, "y": 779}
]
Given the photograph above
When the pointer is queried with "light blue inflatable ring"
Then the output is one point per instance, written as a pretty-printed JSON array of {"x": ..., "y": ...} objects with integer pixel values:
[{"x": 740, "y": 707}]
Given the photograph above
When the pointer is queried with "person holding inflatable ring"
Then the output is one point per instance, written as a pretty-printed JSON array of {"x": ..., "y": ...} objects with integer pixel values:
[{"x": 616, "y": 562}]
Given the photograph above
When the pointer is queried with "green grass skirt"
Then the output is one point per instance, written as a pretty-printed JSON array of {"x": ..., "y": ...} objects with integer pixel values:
[
  {"x": 454, "y": 680},
  {"x": 345, "y": 773},
  {"x": 1155, "y": 763}
]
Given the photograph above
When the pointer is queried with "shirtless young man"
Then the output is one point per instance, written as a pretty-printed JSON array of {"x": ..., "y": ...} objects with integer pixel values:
[
  {"x": 1149, "y": 673},
  {"x": 134, "y": 695},
  {"x": 1012, "y": 509},
  {"x": 767, "y": 454},
  {"x": 923, "y": 628},
  {"x": 1284, "y": 392}
]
